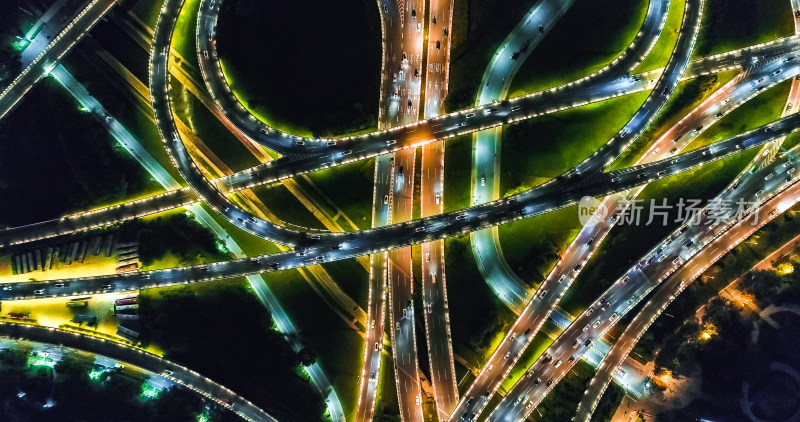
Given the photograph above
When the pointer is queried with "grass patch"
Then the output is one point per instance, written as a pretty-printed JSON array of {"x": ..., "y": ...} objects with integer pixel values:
[
  {"x": 286, "y": 207},
  {"x": 536, "y": 150},
  {"x": 457, "y": 172},
  {"x": 349, "y": 189},
  {"x": 209, "y": 129},
  {"x": 732, "y": 24},
  {"x": 308, "y": 83},
  {"x": 476, "y": 315},
  {"x": 589, "y": 36},
  {"x": 56, "y": 159},
  {"x": 662, "y": 50},
  {"x": 533, "y": 245},
  {"x": 147, "y": 11},
  {"x": 539, "y": 344},
  {"x": 764, "y": 108},
  {"x": 338, "y": 347},
  {"x": 479, "y": 27},
  {"x": 351, "y": 276},
  {"x": 229, "y": 338},
  {"x": 569, "y": 390}
]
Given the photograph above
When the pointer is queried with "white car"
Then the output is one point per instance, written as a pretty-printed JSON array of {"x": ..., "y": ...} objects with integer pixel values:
[
  {"x": 483, "y": 181},
  {"x": 385, "y": 199},
  {"x": 418, "y": 396},
  {"x": 419, "y": 28},
  {"x": 436, "y": 199}
]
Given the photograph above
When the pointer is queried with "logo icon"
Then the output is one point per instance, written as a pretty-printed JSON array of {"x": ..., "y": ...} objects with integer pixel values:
[{"x": 590, "y": 211}]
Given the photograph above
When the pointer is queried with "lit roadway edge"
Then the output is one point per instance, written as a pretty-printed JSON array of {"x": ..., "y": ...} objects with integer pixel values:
[
  {"x": 262, "y": 174},
  {"x": 669, "y": 289},
  {"x": 49, "y": 57},
  {"x": 581, "y": 248},
  {"x": 487, "y": 382},
  {"x": 138, "y": 357},
  {"x": 163, "y": 177},
  {"x": 494, "y": 86},
  {"x": 548, "y": 197},
  {"x": 659, "y": 263},
  {"x": 657, "y": 304}
]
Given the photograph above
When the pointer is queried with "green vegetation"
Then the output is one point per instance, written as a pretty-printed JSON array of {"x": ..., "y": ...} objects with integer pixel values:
[
  {"x": 147, "y": 11},
  {"x": 13, "y": 23},
  {"x": 479, "y": 27},
  {"x": 477, "y": 317},
  {"x": 339, "y": 348},
  {"x": 612, "y": 257},
  {"x": 309, "y": 82},
  {"x": 457, "y": 173},
  {"x": 687, "y": 96},
  {"x": 286, "y": 206},
  {"x": 539, "y": 344},
  {"x": 64, "y": 165},
  {"x": 662, "y": 50},
  {"x": 760, "y": 374},
  {"x": 347, "y": 188},
  {"x": 208, "y": 129},
  {"x": 760, "y": 110},
  {"x": 352, "y": 277},
  {"x": 533, "y": 245},
  {"x": 609, "y": 403},
  {"x": 588, "y": 37},
  {"x": 227, "y": 335},
  {"x": 177, "y": 234},
  {"x": 738, "y": 261},
  {"x": 732, "y": 24},
  {"x": 73, "y": 393},
  {"x": 123, "y": 103},
  {"x": 569, "y": 390},
  {"x": 534, "y": 151}
]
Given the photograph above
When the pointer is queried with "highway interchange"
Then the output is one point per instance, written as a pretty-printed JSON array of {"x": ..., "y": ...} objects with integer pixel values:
[{"x": 388, "y": 242}]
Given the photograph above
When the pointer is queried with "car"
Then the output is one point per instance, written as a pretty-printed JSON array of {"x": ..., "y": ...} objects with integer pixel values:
[
  {"x": 489, "y": 369},
  {"x": 483, "y": 181},
  {"x": 438, "y": 45},
  {"x": 797, "y": 13},
  {"x": 445, "y": 32},
  {"x": 394, "y": 77},
  {"x": 427, "y": 257},
  {"x": 434, "y": 20},
  {"x": 563, "y": 277},
  {"x": 205, "y": 54},
  {"x": 759, "y": 192},
  {"x": 542, "y": 294},
  {"x": 409, "y": 105},
  {"x": 585, "y": 327},
  {"x": 550, "y": 382},
  {"x": 377, "y": 346},
  {"x": 38, "y": 292},
  {"x": 589, "y": 311},
  {"x": 537, "y": 381},
  {"x": 397, "y": 326},
  {"x": 613, "y": 316},
  {"x": 373, "y": 324},
  {"x": 414, "y": 13},
  {"x": 470, "y": 400},
  {"x": 547, "y": 357},
  {"x": 576, "y": 343},
  {"x": 572, "y": 358},
  {"x": 577, "y": 268},
  {"x": 470, "y": 115},
  {"x": 419, "y": 26},
  {"x": 436, "y": 199},
  {"x": 515, "y": 55},
  {"x": 372, "y": 375},
  {"x": 508, "y": 355},
  {"x": 416, "y": 73},
  {"x": 60, "y": 285},
  {"x": 145, "y": 276},
  {"x": 588, "y": 342},
  {"x": 417, "y": 400},
  {"x": 405, "y": 58},
  {"x": 254, "y": 261},
  {"x": 204, "y": 269},
  {"x": 167, "y": 372},
  {"x": 274, "y": 265},
  {"x": 105, "y": 287},
  {"x": 596, "y": 324}
]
